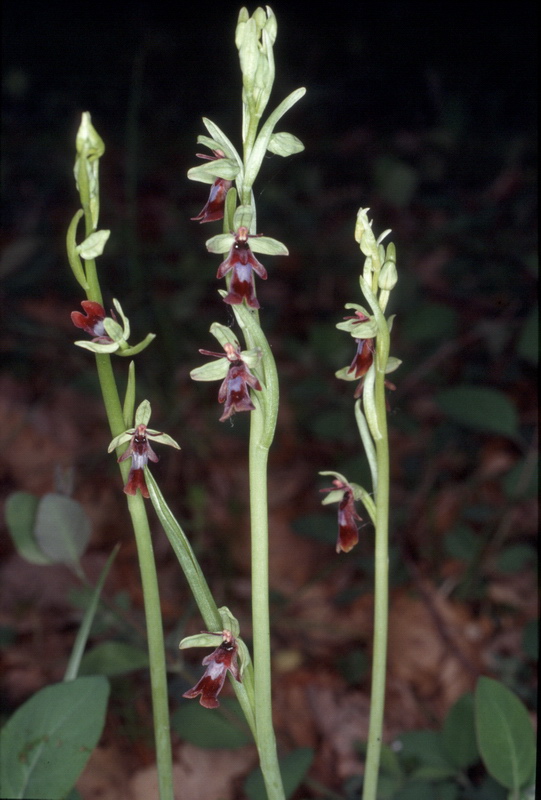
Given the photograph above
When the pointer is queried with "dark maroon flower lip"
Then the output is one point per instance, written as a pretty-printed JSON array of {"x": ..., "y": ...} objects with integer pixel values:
[
  {"x": 217, "y": 664},
  {"x": 91, "y": 321},
  {"x": 242, "y": 263}
]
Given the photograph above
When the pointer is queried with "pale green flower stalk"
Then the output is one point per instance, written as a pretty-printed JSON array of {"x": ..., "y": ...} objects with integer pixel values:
[
  {"x": 253, "y": 369},
  {"x": 114, "y": 337},
  {"x": 371, "y": 331}
]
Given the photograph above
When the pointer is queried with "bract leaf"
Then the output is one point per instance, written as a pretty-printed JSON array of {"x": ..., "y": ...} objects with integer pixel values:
[
  {"x": 93, "y": 245},
  {"x": 284, "y": 144}
]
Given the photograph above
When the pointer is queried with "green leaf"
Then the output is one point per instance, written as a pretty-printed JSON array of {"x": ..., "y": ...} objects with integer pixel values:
[
  {"x": 530, "y": 639},
  {"x": 46, "y": 743},
  {"x": 424, "y": 747},
  {"x": 461, "y": 542},
  {"x": 113, "y": 658},
  {"x": 458, "y": 735},
  {"x": 504, "y": 734},
  {"x": 321, "y": 527},
  {"x": 431, "y": 321},
  {"x": 62, "y": 528},
  {"x": 480, "y": 408},
  {"x": 258, "y": 152},
  {"x": 528, "y": 343},
  {"x": 212, "y": 728},
  {"x": 515, "y": 557},
  {"x": 21, "y": 510},
  {"x": 293, "y": 767}
]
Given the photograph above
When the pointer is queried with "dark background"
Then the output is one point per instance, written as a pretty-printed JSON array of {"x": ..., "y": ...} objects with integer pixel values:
[{"x": 426, "y": 113}]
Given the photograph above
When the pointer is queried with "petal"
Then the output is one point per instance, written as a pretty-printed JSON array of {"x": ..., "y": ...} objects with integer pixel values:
[{"x": 209, "y": 688}]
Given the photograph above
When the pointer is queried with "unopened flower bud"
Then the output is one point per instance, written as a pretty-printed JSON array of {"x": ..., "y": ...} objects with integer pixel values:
[{"x": 388, "y": 276}]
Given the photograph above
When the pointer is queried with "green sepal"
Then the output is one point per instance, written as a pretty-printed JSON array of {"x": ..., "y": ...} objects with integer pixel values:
[
  {"x": 284, "y": 144},
  {"x": 163, "y": 438},
  {"x": 225, "y": 144},
  {"x": 336, "y": 475},
  {"x": 138, "y": 348},
  {"x": 391, "y": 252},
  {"x": 224, "y": 334},
  {"x": 211, "y": 371},
  {"x": 229, "y": 622},
  {"x": 345, "y": 375},
  {"x": 73, "y": 256},
  {"x": 392, "y": 364},
  {"x": 225, "y": 168},
  {"x": 121, "y": 439},
  {"x": 93, "y": 245},
  {"x": 200, "y": 640},
  {"x": 333, "y": 497},
  {"x": 212, "y": 144},
  {"x": 268, "y": 246},
  {"x": 357, "y": 328},
  {"x": 243, "y": 217},
  {"x": 143, "y": 413},
  {"x": 114, "y": 330},
  {"x": 251, "y": 357},
  {"x": 222, "y": 243},
  {"x": 99, "y": 347}
]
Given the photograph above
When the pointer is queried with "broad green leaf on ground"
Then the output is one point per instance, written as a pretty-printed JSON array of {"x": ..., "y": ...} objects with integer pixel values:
[
  {"x": 21, "y": 508},
  {"x": 458, "y": 735},
  {"x": 480, "y": 408},
  {"x": 62, "y": 528},
  {"x": 48, "y": 740},
  {"x": 505, "y": 735},
  {"x": 293, "y": 768},
  {"x": 113, "y": 658},
  {"x": 223, "y": 727}
]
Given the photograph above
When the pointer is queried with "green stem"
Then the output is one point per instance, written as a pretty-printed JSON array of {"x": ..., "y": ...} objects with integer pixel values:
[
  {"x": 381, "y": 598},
  {"x": 262, "y": 427},
  {"x": 266, "y": 742},
  {"x": 147, "y": 566}
]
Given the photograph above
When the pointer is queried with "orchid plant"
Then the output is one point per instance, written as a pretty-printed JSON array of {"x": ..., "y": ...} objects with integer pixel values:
[
  {"x": 371, "y": 331},
  {"x": 249, "y": 383}
]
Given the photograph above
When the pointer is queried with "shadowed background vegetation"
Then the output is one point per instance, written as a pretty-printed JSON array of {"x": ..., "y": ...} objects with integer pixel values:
[{"x": 423, "y": 112}]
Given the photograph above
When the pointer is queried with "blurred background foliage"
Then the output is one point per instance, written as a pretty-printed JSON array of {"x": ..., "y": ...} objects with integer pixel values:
[{"x": 425, "y": 113}]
